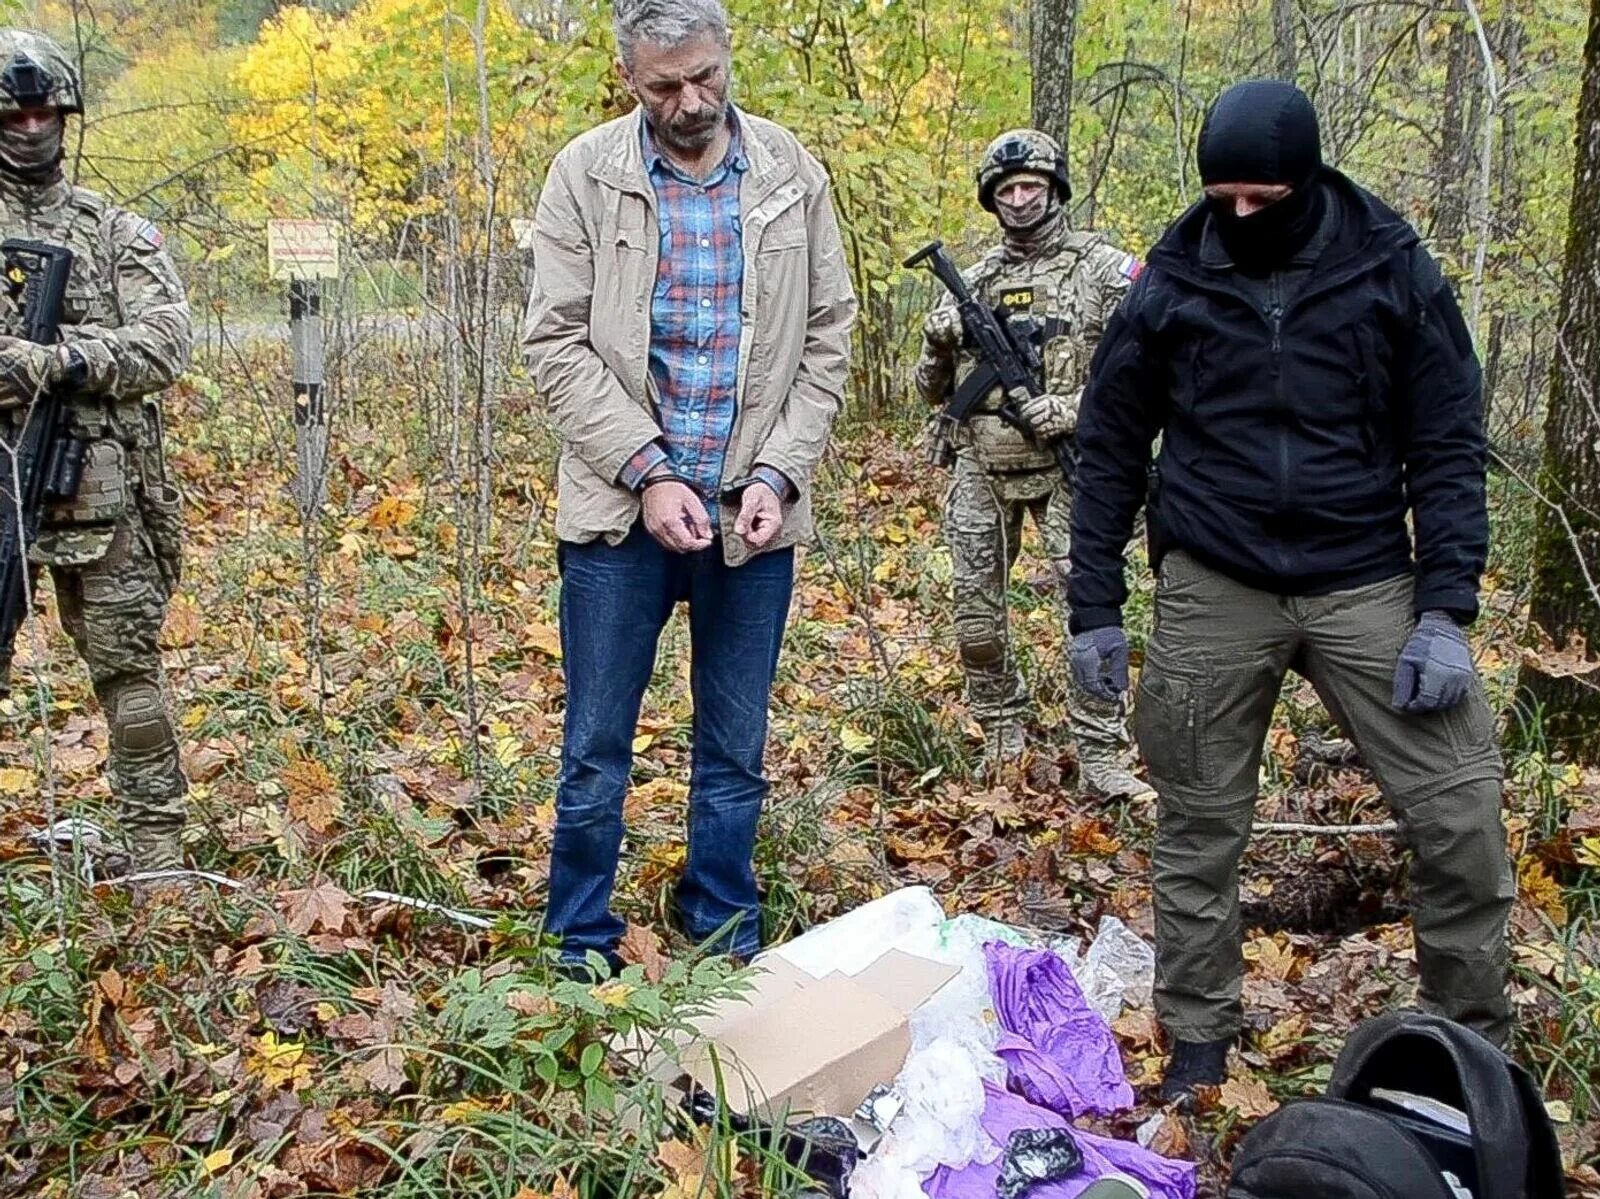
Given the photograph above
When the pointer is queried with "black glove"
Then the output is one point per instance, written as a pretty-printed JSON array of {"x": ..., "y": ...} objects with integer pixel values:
[
  {"x": 1100, "y": 662},
  {"x": 1435, "y": 670}
]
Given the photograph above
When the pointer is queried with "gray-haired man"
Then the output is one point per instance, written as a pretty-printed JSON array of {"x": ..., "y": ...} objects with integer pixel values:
[{"x": 689, "y": 327}]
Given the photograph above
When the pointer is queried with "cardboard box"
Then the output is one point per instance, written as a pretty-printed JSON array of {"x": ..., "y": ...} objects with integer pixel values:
[{"x": 797, "y": 1046}]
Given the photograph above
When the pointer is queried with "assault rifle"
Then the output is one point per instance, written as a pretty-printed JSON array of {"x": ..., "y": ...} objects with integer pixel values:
[
  {"x": 41, "y": 461},
  {"x": 1007, "y": 348}
]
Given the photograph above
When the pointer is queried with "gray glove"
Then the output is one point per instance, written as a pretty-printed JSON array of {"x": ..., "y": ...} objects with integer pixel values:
[
  {"x": 27, "y": 370},
  {"x": 1435, "y": 670},
  {"x": 1049, "y": 416},
  {"x": 1100, "y": 662},
  {"x": 942, "y": 330}
]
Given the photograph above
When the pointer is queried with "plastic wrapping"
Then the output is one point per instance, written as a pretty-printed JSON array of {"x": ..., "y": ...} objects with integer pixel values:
[
  {"x": 1005, "y": 1113},
  {"x": 1118, "y": 969},
  {"x": 850, "y": 943},
  {"x": 1059, "y": 1052},
  {"x": 1035, "y": 1155},
  {"x": 940, "y": 1124}
]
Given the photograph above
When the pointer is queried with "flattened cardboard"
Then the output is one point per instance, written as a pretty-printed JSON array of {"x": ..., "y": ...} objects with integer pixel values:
[
  {"x": 806, "y": 1046},
  {"x": 816, "y": 1051}
]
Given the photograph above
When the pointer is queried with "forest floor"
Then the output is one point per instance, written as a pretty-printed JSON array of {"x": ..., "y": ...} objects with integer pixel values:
[{"x": 353, "y": 735}]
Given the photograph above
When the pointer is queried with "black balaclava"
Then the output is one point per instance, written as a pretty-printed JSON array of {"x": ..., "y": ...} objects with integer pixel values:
[{"x": 1264, "y": 131}]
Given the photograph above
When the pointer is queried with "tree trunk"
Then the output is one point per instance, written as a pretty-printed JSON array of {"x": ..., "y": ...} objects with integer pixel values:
[
  {"x": 1453, "y": 162},
  {"x": 1566, "y": 606},
  {"x": 1053, "y": 26},
  {"x": 1283, "y": 38}
]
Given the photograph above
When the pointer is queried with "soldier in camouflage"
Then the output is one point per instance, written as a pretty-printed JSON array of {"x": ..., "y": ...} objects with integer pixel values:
[
  {"x": 114, "y": 552},
  {"x": 1043, "y": 268}
]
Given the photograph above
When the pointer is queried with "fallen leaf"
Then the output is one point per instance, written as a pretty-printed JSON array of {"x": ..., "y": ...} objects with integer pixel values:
[
  {"x": 1248, "y": 1097},
  {"x": 641, "y": 946},
  {"x": 322, "y": 906}
]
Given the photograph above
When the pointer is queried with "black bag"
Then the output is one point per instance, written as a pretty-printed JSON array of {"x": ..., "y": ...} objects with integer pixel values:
[{"x": 1412, "y": 1096}]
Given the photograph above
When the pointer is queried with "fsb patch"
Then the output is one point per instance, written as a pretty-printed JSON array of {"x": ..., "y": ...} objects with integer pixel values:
[{"x": 1017, "y": 299}]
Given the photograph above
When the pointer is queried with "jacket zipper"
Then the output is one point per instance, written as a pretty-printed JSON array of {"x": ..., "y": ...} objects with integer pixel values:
[{"x": 1274, "y": 314}]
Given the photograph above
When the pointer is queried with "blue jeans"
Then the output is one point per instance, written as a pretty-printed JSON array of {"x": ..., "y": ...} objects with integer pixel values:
[{"x": 615, "y": 600}]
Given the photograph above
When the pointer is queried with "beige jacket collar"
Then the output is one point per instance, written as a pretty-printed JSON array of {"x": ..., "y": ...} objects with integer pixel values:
[{"x": 621, "y": 165}]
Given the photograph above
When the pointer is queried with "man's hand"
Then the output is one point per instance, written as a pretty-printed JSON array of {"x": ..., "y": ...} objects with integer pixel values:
[
  {"x": 1049, "y": 416},
  {"x": 27, "y": 370},
  {"x": 1100, "y": 662},
  {"x": 1435, "y": 670},
  {"x": 942, "y": 330},
  {"x": 760, "y": 515},
  {"x": 675, "y": 516}
]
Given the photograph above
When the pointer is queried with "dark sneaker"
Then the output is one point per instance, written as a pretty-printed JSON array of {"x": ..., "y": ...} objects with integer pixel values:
[
  {"x": 1194, "y": 1064},
  {"x": 579, "y": 969}
]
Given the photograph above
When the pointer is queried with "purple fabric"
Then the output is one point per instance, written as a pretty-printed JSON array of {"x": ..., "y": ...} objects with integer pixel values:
[
  {"x": 1059, "y": 1052},
  {"x": 1005, "y": 1113}
]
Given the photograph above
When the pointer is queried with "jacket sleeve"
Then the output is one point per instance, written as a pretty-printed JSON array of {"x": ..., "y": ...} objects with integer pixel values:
[
  {"x": 592, "y": 413},
  {"x": 1445, "y": 447},
  {"x": 798, "y": 439},
  {"x": 150, "y": 348},
  {"x": 1121, "y": 414},
  {"x": 935, "y": 372}
]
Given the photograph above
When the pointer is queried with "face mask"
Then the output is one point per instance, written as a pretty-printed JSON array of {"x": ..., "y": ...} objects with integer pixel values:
[
  {"x": 1268, "y": 238},
  {"x": 1028, "y": 216},
  {"x": 32, "y": 155}
]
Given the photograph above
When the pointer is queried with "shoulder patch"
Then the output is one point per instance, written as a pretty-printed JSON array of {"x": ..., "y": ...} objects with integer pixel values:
[
  {"x": 1130, "y": 268},
  {"x": 146, "y": 232}
]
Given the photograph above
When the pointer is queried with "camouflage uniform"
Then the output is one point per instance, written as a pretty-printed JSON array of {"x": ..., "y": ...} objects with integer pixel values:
[
  {"x": 114, "y": 552},
  {"x": 1000, "y": 474}
]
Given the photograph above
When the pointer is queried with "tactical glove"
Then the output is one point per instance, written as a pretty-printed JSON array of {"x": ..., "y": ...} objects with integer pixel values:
[
  {"x": 942, "y": 330},
  {"x": 27, "y": 370},
  {"x": 1049, "y": 416},
  {"x": 1100, "y": 662},
  {"x": 1435, "y": 670}
]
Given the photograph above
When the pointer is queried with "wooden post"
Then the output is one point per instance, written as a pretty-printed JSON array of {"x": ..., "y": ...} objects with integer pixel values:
[{"x": 310, "y": 411}]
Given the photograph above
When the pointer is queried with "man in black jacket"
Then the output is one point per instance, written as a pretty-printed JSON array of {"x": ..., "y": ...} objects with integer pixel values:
[{"x": 1314, "y": 385}]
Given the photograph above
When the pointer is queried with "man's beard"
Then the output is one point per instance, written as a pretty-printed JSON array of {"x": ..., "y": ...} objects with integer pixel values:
[
  {"x": 691, "y": 135},
  {"x": 33, "y": 157}
]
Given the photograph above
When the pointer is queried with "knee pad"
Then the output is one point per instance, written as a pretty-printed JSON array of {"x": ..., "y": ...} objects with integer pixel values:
[{"x": 138, "y": 718}]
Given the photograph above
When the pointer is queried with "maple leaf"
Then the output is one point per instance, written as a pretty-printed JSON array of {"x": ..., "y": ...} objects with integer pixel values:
[
  {"x": 385, "y": 1070},
  {"x": 544, "y": 638},
  {"x": 278, "y": 1063},
  {"x": 641, "y": 946},
  {"x": 1273, "y": 959},
  {"x": 1541, "y": 891},
  {"x": 1248, "y": 1097},
  {"x": 313, "y": 794},
  {"x": 321, "y": 906}
]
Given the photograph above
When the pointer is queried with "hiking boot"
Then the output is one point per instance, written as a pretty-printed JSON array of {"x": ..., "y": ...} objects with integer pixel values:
[
  {"x": 1194, "y": 1064},
  {"x": 1102, "y": 774},
  {"x": 1004, "y": 744}
]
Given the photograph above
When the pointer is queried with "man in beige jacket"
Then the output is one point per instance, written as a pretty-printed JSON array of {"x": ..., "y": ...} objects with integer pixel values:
[{"x": 689, "y": 328}]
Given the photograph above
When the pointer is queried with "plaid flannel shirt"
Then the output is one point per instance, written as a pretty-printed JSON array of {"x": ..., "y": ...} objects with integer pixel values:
[{"x": 695, "y": 324}]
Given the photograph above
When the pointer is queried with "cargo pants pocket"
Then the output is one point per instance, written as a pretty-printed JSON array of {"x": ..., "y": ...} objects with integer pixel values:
[
  {"x": 1166, "y": 724},
  {"x": 161, "y": 510}
]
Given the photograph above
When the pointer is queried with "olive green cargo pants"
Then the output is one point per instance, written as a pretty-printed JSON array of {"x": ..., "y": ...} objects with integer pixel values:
[{"x": 1212, "y": 672}]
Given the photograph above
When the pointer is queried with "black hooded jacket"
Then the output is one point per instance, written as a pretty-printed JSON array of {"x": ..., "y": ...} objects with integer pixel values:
[{"x": 1302, "y": 417}]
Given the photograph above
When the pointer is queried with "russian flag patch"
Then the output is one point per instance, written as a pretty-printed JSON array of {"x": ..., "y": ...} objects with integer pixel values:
[{"x": 1131, "y": 267}]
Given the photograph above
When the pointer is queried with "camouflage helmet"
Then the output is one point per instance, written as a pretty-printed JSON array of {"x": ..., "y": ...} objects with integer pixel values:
[
  {"x": 1022, "y": 150},
  {"x": 35, "y": 72}
]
